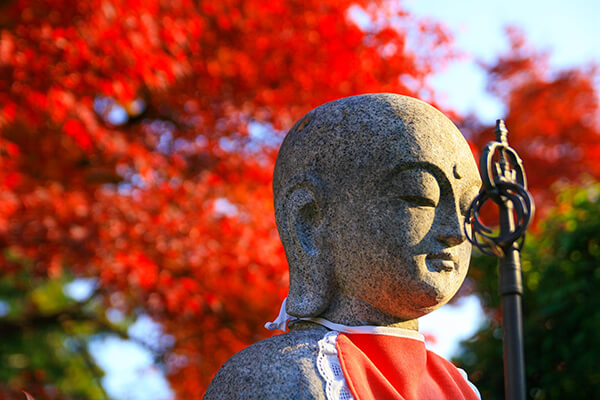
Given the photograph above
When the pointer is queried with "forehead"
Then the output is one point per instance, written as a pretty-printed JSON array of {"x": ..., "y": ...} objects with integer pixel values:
[
  {"x": 431, "y": 143},
  {"x": 353, "y": 141}
]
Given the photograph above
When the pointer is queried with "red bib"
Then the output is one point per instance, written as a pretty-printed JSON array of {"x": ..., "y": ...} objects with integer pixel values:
[{"x": 380, "y": 367}]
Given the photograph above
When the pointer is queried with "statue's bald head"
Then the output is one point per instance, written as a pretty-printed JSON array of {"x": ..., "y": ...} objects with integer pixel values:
[{"x": 336, "y": 150}]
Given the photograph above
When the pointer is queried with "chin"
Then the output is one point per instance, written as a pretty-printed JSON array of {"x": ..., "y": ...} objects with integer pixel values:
[
  {"x": 415, "y": 299},
  {"x": 416, "y": 308},
  {"x": 435, "y": 290},
  {"x": 427, "y": 304},
  {"x": 426, "y": 310},
  {"x": 427, "y": 301}
]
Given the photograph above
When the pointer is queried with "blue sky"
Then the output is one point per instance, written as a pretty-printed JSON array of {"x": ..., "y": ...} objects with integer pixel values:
[{"x": 569, "y": 31}]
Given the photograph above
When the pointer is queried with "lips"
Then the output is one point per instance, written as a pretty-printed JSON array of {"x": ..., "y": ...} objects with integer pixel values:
[{"x": 442, "y": 261}]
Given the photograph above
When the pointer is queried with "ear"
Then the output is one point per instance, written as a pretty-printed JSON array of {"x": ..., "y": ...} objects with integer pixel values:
[{"x": 301, "y": 219}]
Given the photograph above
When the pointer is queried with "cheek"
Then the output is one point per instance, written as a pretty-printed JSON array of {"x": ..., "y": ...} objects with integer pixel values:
[{"x": 413, "y": 224}]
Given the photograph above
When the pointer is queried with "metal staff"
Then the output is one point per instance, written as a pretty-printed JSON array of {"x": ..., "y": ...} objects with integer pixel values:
[{"x": 505, "y": 184}]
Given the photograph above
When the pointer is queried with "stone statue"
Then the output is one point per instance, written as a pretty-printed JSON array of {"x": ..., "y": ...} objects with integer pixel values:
[{"x": 370, "y": 194}]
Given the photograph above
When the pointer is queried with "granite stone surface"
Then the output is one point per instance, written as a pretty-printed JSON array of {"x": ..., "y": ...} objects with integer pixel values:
[
  {"x": 281, "y": 367},
  {"x": 370, "y": 193}
]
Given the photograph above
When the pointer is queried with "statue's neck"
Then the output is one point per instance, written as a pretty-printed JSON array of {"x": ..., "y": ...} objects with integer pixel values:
[{"x": 353, "y": 312}]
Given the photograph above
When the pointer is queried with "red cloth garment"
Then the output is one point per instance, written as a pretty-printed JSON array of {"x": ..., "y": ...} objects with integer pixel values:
[{"x": 380, "y": 367}]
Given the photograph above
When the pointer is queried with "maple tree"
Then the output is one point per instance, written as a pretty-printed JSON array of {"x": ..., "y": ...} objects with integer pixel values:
[
  {"x": 551, "y": 115},
  {"x": 137, "y": 146}
]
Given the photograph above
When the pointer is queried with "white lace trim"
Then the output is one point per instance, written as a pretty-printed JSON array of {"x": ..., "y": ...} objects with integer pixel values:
[{"x": 328, "y": 364}]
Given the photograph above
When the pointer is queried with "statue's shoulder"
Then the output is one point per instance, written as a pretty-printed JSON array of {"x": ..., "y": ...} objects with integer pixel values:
[{"x": 280, "y": 367}]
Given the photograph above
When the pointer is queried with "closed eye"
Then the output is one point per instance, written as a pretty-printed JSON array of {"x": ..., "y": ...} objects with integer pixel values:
[{"x": 419, "y": 201}]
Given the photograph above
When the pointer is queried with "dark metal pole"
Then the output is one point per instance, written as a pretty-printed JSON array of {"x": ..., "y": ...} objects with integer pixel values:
[
  {"x": 504, "y": 183},
  {"x": 511, "y": 289}
]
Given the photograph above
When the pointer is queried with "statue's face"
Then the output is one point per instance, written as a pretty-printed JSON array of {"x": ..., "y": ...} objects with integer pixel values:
[{"x": 400, "y": 245}]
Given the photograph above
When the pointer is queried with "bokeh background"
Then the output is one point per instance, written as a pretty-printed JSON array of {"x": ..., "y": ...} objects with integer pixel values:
[{"x": 137, "y": 242}]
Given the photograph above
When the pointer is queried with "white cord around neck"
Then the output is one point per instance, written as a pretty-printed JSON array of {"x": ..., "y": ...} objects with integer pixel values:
[{"x": 280, "y": 323}]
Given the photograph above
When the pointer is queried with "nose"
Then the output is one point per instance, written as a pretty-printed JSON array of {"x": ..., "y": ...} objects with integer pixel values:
[{"x": 451, "y": 231}]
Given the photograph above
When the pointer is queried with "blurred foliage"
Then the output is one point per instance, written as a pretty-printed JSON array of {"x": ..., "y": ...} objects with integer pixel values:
[
  {"x": 552, "y": 117},
  {"x": 561, "y": 306},
  {"x": 45, "y": 335},
  {"x": 43, "y": 339}
]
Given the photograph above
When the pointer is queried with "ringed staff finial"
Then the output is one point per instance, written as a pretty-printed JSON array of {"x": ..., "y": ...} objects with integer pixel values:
[{"x": 505, "y": 183}]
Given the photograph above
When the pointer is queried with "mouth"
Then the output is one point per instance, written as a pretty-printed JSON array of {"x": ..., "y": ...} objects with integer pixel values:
[{"x": 442, "y": 261}]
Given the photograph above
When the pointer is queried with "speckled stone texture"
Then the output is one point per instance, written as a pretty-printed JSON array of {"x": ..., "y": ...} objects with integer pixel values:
[
  {"x": 281, "y": 367},
  {"x": 370, "y": 193}
]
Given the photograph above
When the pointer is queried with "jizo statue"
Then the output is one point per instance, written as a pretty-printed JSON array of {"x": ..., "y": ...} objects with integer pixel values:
[{"x": 370, "y": 194}]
